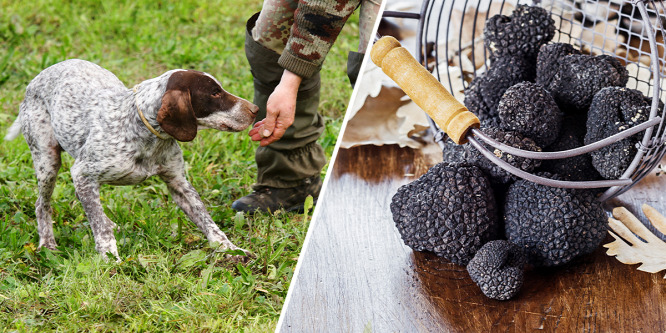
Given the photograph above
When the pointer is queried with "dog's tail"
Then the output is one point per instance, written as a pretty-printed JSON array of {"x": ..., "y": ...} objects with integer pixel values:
[{"x": 14, "y": 130}]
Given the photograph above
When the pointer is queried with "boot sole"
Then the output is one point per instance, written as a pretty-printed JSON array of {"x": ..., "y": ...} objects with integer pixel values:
[
  {"x": 297, "y": 208},
  {"x": 301, "y": 208}
]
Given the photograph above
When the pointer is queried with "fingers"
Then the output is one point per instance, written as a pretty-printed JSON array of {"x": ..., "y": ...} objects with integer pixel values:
[
  {"x": 280, "y": 128},
  {"x": 269, "y": 122},
  {"x": 277, "y": 135},
  {"x": 267, "y": 141},
  {"x": 276, "y": 123},
  {"x": 255, "y": 132}
]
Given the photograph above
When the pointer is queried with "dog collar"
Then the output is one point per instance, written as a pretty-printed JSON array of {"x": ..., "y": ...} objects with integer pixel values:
[{"x": 143, "y": 118}]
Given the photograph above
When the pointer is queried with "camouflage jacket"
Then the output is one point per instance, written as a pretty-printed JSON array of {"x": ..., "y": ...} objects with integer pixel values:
[{"x": 317, "y": 23}]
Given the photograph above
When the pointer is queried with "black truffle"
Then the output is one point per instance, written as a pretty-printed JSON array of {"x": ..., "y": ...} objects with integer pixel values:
[
  {"x": 613, "y": 110},
  {"x": 553, "y": 225},
  {"x": 548, "y": 61},
  {"x": 529, "y": 109},
  {"x": 450, "y": 211},
  {"x": 574, "y": 168},
  {"x": 520, "y": 34},
  {"x": 514, "y": 139},
  {"x": 485, "y": 91},
  {"x": 497, "y": 268},
  {"x": 455, "y": 153},
  {"x": 579, "y": 77}
]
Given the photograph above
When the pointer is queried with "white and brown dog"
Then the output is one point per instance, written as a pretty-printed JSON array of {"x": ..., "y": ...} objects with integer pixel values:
[{"x": 121, "y": 136}]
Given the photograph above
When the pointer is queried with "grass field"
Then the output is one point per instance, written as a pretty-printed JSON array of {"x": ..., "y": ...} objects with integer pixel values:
[{"x": 169, "y": 280}]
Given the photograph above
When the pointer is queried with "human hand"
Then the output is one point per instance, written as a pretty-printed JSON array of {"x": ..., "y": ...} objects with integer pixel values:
[{"x": 280, "y": 111}]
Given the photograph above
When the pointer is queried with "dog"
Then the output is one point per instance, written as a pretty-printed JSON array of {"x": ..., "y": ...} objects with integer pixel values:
[{"x": 121, "y": 136}]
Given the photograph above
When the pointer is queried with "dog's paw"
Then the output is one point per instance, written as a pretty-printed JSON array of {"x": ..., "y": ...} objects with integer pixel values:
[
  {"x": 49, "y": 244},
  {"x": 108, "y": 251},
  {"x": 110, "y": 257},
  {"x": 235, "y": 254},
  {"x": 239, "y": 258}
]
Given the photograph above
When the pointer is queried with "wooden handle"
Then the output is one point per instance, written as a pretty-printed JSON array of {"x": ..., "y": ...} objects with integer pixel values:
[{"x": 424, "y": 89}]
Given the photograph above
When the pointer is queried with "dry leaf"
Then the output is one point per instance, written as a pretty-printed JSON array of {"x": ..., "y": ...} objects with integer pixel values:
[
  {"x": 455, "y": 75},
  {"x": 369, "y": 86},
  {"x": 641, "y": 79},
  {"x": 385, "y": 119},
  {"x": 562, "y": 12},
  {"x": 380, "y": 112},
  {"x": 603, "y": 38},
  {"x": 466, "y": 31},
  {"x": 476, "y": 53},
  {"x": 473, "y": 21},
  {"x": 415, "y": 120},
  {"x": 650, "y": 250}
]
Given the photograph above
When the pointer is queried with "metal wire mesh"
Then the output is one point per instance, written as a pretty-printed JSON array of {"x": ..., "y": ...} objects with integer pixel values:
[{"x": 632, "y": 31}]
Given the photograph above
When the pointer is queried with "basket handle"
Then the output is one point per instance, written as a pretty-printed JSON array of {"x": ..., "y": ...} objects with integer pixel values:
[{"x": 424, "y": 89}]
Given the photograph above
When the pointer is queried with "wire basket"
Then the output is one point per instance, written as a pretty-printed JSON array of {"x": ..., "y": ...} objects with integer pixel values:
[{"x": 637, "y": 40}]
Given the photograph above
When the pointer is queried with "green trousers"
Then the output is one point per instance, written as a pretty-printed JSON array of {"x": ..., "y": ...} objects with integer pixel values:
[{"x": 297, "y": 155}]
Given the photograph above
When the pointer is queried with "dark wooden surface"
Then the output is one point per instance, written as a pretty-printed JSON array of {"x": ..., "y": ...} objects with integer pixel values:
[{"x": 356, "y": 275}]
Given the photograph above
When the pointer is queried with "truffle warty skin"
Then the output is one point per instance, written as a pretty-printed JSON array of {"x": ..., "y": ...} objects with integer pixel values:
[
  {"x": 553, "y": 225},
  {"x": 449, "y": 211},
  {"x": 497, "y": 268}
]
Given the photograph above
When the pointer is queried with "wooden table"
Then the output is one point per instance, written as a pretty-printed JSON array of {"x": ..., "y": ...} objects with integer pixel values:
[{"x": 356, "y": 275}]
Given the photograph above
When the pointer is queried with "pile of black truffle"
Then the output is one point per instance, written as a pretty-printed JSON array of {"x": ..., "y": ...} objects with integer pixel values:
[{"x": 534, "y": 96}]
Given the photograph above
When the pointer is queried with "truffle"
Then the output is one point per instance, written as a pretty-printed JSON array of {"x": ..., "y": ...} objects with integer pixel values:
[
  {"x": 455, "y": 153},
  {"x": 520, "y": 34},
  {"x": 485, "y": 91},
  {"x": 579, "y": 77},
  {"x": 529, "y": 109},
  {"x": 548, "y": 61},
  {"x": 449, "y": 211},
  {"x": 497, "y": 268},
  {"x": 514, "y": 139},
  {"x": 574, "y": 168},
  {"x": 553, "y": 225},
  {"x": 613, "y": 110}
]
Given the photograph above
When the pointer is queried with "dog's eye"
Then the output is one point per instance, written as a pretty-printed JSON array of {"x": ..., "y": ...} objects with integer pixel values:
[{"x": 217, "y": 94}]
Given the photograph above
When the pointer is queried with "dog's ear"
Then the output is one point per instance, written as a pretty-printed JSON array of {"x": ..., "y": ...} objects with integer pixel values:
[{"x": 176, "y": 116}]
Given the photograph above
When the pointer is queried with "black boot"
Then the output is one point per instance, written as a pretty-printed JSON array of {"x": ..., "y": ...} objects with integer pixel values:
[
  {"x": 354, "y": 62},
  {"x": 271, "y": 199}
]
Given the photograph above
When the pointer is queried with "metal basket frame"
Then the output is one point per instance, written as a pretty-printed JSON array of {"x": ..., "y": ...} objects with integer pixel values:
[{"x": 651, "y": 148}]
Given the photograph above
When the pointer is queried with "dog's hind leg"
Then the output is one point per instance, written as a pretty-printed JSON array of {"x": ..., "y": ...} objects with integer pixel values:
[
  {"x": 87, "y": 190},
  {"x": 45, "y": 150}
]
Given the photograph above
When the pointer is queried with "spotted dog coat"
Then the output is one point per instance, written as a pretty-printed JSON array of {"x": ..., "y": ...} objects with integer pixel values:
[{"x": 85, "y": 110}]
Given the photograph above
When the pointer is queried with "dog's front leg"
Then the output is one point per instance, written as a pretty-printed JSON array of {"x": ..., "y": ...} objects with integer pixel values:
[
  {"x": 87, "y": 190},
  {"x": 189, "y": 201}
]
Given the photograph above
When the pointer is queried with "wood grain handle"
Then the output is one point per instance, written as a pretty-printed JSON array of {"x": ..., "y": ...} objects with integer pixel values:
[{"x": 424, "y": 89}]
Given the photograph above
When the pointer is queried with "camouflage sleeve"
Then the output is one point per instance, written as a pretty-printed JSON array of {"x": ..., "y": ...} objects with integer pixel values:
[{"x": 317, "y": 24}]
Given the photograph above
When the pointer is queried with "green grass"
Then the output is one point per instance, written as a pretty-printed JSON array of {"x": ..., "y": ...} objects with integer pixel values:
[{"x": 169, "y": 280}]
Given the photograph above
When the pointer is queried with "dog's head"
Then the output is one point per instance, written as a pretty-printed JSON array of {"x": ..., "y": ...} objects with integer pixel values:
[{"x": 195, "y": 100}]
